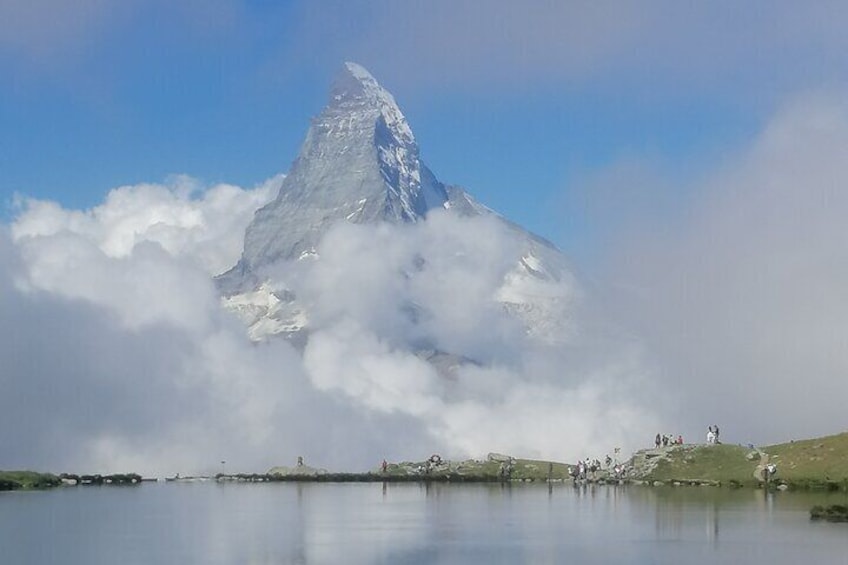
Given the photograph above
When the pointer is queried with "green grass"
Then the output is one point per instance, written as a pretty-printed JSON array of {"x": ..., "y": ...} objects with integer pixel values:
[
  {"x": 529, "y": 469},
  {"x": 724, "y": 463},
  {"x": 812, "y": 462},
  {"x": 15, "y": 480},
  {"x": 522, "y": 469}
]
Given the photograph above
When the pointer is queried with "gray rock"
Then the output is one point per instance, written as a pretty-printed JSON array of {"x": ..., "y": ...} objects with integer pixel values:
[{"x": 360, "y": 163}]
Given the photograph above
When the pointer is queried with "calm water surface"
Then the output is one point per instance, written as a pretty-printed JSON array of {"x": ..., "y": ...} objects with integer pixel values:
[{"x": 409, "y": 523}]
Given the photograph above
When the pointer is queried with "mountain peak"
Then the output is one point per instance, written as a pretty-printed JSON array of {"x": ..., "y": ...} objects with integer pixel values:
[
  {"x": 360, "y": 73},
  {"x": 359, "y": 163},
  {"x": 356, "y": 90},
  {"x": 355, "y": 82}
]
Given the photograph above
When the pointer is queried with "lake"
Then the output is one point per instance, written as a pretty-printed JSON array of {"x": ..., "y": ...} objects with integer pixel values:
[{"x": 310, "y": 523}]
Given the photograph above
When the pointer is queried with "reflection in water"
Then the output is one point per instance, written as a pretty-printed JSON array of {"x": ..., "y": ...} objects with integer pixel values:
[
  {"x": 712, "y": 520},
  {"x": 413, "y": 523}
]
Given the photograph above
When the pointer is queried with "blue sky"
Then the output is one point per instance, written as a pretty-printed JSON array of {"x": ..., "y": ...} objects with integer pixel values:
[{"x": 515, "y": 101}]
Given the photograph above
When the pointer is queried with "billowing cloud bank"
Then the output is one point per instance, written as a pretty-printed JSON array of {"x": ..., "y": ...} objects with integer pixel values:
[{"x": 118, "y": 355}]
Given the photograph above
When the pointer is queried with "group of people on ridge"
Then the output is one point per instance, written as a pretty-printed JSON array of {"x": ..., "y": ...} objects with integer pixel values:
[{"x": 666, "y": 440}]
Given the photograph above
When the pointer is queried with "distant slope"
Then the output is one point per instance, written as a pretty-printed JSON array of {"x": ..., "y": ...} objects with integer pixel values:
[
  {"x": 815, "y": 463},
  {"x": 722, "y": 463},
  {"x": 818, "y": 459}
]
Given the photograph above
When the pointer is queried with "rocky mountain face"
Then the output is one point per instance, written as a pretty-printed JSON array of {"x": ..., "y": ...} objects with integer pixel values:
[{"x": 360, "y": 164}]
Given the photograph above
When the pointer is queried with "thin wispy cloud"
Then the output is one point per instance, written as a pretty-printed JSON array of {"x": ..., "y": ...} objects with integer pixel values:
[{"x": 663, "y": 46}]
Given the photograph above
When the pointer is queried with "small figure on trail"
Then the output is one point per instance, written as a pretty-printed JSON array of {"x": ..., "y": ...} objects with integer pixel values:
[
  {"x": 385, "y": 465},
  {"x": 505, "y": 470},
  {"x": 711, "y": 437},
  {"x": 657, "y": 441},
  {"x": 665, "y": 440},
  {"x": 300, "y": 461},
  {"x": 679, "y": 440},
  {"x": 715, "y": 431},
  {"x": 769, "y": 471}
]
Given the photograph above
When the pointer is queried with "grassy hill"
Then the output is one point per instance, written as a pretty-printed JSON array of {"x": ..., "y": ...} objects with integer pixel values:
[
  {"x": 813, "y": 463},
  {"x": 724, "y": 463}
]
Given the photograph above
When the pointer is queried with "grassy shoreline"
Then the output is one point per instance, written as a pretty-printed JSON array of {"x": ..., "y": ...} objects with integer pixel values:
[
  {"x": 27, "y": 480},
  {"x": 812, "y": 464}
]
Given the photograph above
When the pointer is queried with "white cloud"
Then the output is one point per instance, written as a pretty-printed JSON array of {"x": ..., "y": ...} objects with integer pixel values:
[
  {"x": 434, "y": 281},
  {"x": 348, "y": 358},
  {"x": 156, "y": 378},
  {"x": 434, "y": 284},
  {"x": 203, "y": 226},
  {"x": 742, "y": 304}
]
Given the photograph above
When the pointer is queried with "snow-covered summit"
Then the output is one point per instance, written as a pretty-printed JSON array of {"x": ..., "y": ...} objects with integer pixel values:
[
  {"x": 355, "y": 85},
  {"x": 355, "y": 89},
  {"x": 361, "y": 74}
]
